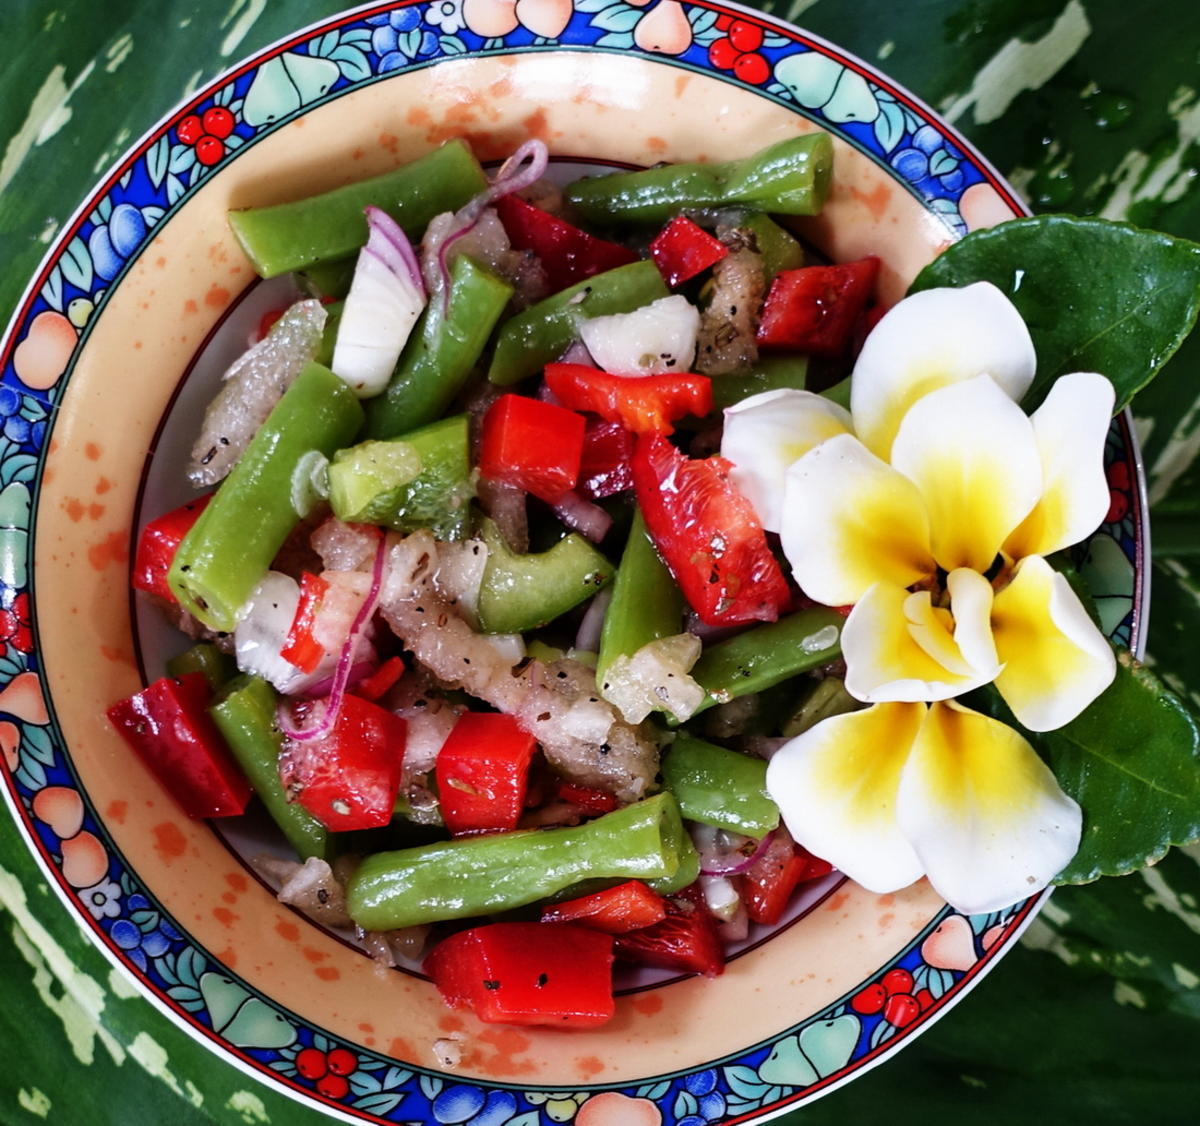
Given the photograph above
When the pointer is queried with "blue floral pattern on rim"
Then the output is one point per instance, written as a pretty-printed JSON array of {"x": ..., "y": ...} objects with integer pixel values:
[{"x": 754, "y": 52}]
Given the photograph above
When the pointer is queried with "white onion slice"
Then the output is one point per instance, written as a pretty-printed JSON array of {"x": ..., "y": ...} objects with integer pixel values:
[
  {"x": 386, "y": 297},
  {"x": 659, "y": 337}
]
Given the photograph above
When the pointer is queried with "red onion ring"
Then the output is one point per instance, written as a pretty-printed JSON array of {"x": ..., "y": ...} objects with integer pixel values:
[
  {"x": 588, "y": 636},
  {"x": 710, "y": 865},
  {"x": 327, "y": 714},
  {"x": 580, "y": 515}
]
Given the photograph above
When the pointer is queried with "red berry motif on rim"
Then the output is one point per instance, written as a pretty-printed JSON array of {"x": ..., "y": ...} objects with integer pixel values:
[
  {"x": 328, "y": 1070},
  {"x": 207, "y": 134},
  {"x": 737, "y": 50},
  {"x": 15, "y": 624}
]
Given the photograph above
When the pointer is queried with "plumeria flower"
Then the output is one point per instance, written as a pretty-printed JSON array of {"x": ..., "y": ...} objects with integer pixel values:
[{"x": 930, "y": 507}]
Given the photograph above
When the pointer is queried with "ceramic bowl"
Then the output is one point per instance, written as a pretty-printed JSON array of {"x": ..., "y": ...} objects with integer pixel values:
[{"x": 140, "y": 303}]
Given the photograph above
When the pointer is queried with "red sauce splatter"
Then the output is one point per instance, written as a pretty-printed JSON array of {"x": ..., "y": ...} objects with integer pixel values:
[
  {"x": 103, "y": 485},
  {"x": 217, "y": 297},
  {"x": 648, "y": 1004},
  {"x": 92, "y": 451},
  {"x": 116, "y": 811},
  {"x": 314, "y": 955},
  {"x": 288, "y": 931},
  {"x": 327, "y": 973},
  {"x": 73, "y": 507},
  {"x": 237, "y": 881},
  {"x": 589, "y": 1065},
  {"x": 112, "y": 549},
  {"x": 169, "y": 841},
  {"x": 224, "y": 916}
]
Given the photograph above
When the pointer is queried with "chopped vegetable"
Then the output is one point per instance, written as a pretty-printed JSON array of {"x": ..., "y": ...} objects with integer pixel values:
[
  {"x": 157, "y": 545},
  {"x": 604, "y": 468},
  {"x": 347, "y": 778},
  {"x": 767, "y": 886},
  {"x": 567, "y": 254},
  {"x": 627, "y": 907},
  {"x": 244, "y": 712},
  {"x": 522, "y": 592},
  {"x": 791, "y": 178},
  {"x": 229, "y": 548},
  {"x": 682, "y": 249},
  {"x": 655, "y": 678},
  {"x": 659, "y": 337},
  {"x": 534, "y": 445},
  {"x": 720, "y": 787},
  {"x": 206, "y": 658},
  {"x": 708, "y": 535},
  {"x": 641, "y": 403},
  {"x": 167, "y": 725},
  {"x": 527, "y": 974},
  {"x": 815, "y": 309},
  {"x": 482, "y": 772},
  {"x": 481, "y": 875},
  {"x": 686, "y": 939}
]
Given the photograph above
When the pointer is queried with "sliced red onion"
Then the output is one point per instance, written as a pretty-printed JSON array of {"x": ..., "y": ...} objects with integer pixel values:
[
  {"x": 326, "y": 716},
  {"x": 386, "y": 238},
  {"x": 730, "y": 860},
  {"x": 588, "y": 636},
  {"x": 577, "y": 353},
  {"x": 580, "y": 515},
  {"x": 359, "y": 671}
]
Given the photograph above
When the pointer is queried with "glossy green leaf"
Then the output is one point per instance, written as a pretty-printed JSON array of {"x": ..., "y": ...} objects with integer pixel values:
[{"x": 1096, "y": 295}]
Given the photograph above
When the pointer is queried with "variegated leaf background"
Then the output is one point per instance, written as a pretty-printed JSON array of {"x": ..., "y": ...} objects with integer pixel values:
[{"x": 1086, "y": 105}]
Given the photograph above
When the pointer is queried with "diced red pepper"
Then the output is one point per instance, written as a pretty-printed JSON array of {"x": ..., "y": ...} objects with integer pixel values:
[
  {"x": 627, "y": 907},
  {"x": 685, "y": 940},
  {"x": 567, "y": 254},
  {"x": 349, "y": 777},
  {"x": 814, "y": 309},
  {"x": 381, "y": 680},
  {"x": 169, "y": 727},
  {"x": 641, "y": 403},
  {"x": 605, "y": 468},
  {"x": 159, "y": 541},
  {"x": 708, "y": 535},
  {"x": 482, "y": 772},
  {"x": 681, "y": 250},
  {"x": 527, "y": 974},
  {"x": 767, "y": 886},
  {"x": 589, "y": 798},
  {"x": 534, "y": 445},
  {"x": 302, "y": 649}
]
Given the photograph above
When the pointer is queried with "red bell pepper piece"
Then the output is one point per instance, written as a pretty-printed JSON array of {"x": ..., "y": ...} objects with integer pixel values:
[
  {"x": 814, "y": 309},
  {"x": 605, "y": 468},
  {"x": 527, "y": 973},
  {"x": 169, "y": 727},
  {"x": 641, "y": 403},
  {"x": 159, "y": 541},
  {"x": 349, "y": 777},
  {"x": 767, "y": 886},
  {"x": 681, "y": 250},
  {"x": 627, "y": 907},
  {"x": 567, "y": 254},
  {"x": 302, "y": 649},
  {"x": 708, "y": 535},
  {"x": 589, "y": 798},
  {"x": 686, "y": 939},
  {"x": 381, "y": 680},
  {"x": 482, "y": 772},
  {"x": 534, "y": 445}
]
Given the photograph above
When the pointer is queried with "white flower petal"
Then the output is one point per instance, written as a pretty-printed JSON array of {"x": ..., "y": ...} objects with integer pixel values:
[
  {"x": 932, "y": 339},
  {"x": 1056, "y": 661},
  {"x": 836, "y": 788},
  {"x": 1070, "y": 428},
  {"x": 971, "y": 604},
  {"x": 850, "y": 521},
  {"x": 983, "y": 813},
  {"x": 898, "y": 646},
  {"x": 766, "y": 433},
  {"x": 970, "y": 450}
]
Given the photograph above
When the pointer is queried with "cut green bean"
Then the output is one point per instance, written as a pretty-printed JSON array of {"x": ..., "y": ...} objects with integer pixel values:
[
  {"x": 230, "y": 547},
  {"x": 540, "y": 334},
  {"x": 205, "y": 658},
  {"x": 481, "y": 875},
  {"x": 422, "y": 480},
  {"x": 768, "y": 654},
  {"x": 771, "y": 373},
  {"x": 646, "y": 604},
  {"x": 330, "y": 280},
  {"x": 827, "y": 698},
  {"x": 780, "y": 249},
  {"x": 522, "y": 592},
  {"x": 244, "y": 712},
  {"x": 720, "y": 787},
  {"x": 789, "y": 178},
  {"x": 293, "y": 236},
  {"x": 442, "y": 352}
]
